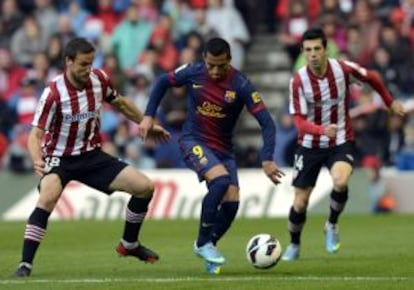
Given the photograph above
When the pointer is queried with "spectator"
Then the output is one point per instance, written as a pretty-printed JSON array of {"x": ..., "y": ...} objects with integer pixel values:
[
  {"x": 54, "y": 52},
  {"x": 4, "y": 38},
  {"x": 286, "y": 135},
  {"x": 65, "y": 30},
  {"x": 47, "y": 16},
  {"x": 147, "y": 10},
  {"x": 10, "y": 74},
  {"x": 202, "y": 27},
  {"x": 11, "y": 16},
  {"x": 112, "y": 69},
  {"x": 182, "y": 18},
  {"x": 167, "y": 55},
  {"x": 130, "y": 39},
  {"x": 195, "y": 44},
  {"x": 369, "y": 26},
  {"x": 229, "y": 24},
  {"x": 381, "y": 62},
  {"x": 23, "y": 103},
  {"x": 292, "y": 27},
  {"x": 355, "y": 45},
  {"x": 77, "y": 16},
  {"x": 27, "y": 41},
  {"x": 381, "y": 200}
]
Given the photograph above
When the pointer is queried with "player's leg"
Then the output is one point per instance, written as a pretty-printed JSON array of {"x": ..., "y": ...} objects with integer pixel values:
[
  {"x": 210, "y": 168},
  {"x": 308, "y": 163},
  {"x": 108, "y": 174},
  {"x": 340, "y": 165},
  {"x": 218, "y": 182},
  {"x": 229, "y": 205},
  {"x": 50, "y": 191},
  {"x": 226, "y": 213},
  {"x": 141, "y": 189},
  {"x": 296, "y": 222}
]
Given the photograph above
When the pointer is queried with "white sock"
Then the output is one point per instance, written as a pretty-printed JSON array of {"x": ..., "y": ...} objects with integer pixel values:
[{"x": 128, "y": 245}]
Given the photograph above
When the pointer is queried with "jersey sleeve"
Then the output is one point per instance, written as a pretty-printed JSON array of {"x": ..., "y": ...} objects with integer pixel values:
[
  {"x": 257, "y": 108},
  {"x": 251, "y": 98},
  {"x": 297, "y": 101},
  {"x": 180, "y": 75},
  {"x": 109, "y": 92},
  {"x": 46, "y": 109},
  {"x": 359, "y": 73}
]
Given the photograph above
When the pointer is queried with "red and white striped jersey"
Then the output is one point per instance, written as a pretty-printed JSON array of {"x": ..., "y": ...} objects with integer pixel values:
[
  {"x": 325, "y": 100},
  {"x": 71, "y": 117}
]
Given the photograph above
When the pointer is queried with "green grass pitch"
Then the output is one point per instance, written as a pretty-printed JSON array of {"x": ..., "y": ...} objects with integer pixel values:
[{"x": 377, "y": 253}]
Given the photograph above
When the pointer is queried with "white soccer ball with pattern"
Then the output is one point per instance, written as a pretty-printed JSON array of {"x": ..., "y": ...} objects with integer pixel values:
[{"x": 263, "y": 251}]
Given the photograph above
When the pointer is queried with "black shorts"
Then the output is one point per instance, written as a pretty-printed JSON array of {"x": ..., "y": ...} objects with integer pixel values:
[
  {"x": 96, "y": 169},
  {"x": 308, "y": 162}
]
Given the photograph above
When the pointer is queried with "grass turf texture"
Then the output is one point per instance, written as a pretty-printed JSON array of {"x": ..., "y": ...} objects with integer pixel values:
[{"x": 377, "y": 253}]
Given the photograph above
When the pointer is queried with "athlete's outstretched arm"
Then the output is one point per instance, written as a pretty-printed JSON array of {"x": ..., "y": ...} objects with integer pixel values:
[
  {"x": 269, "y": 141},
  {"x": 160, "y": 87},
  {"x": 132, "y": 112},
  {"x": 372, "y": 78},
  {"x": 125, "y": 106}
]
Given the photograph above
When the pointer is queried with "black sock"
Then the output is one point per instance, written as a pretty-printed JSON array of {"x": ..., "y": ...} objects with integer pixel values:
[
  {"x": 337, "y": 204},
  {"x": 295, "y": 225},
  {"x": 34, "y": 233},
  {"x": 135, "y": 215},
  {"x": 224, "y": 219}
]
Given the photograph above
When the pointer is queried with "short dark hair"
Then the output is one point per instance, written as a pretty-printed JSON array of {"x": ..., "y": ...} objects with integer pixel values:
[
  {"x": 217, "y": 46},
  {"x": 314, "y": 33},
  {"x": 77, "y": 45}
]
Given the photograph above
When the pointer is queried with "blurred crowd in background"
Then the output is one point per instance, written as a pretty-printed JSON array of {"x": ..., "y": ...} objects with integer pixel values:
[{"x": 136, "y": 40}]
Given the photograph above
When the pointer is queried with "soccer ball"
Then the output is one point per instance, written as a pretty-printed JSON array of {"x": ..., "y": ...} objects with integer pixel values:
[{"x": 263, "y": 251}]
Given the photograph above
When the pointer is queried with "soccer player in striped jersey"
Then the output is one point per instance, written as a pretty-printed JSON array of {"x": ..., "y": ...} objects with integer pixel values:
[
  {"x": 319, "y": 99},
  {"x": 217, "y": 93},
  {"x": 65, "y": 145}
]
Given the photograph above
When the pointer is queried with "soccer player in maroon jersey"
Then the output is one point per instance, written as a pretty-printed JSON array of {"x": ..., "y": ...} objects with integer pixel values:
[
  {"x": 65, "y": 145},
  {"x": 217, "y": 93},
  {"x": 319, "y": 97}
]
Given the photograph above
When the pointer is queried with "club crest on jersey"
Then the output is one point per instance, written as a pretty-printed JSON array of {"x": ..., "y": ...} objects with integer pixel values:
[
  {"x": 256, "y": 97},
  {"x": 230, "y": 96}
]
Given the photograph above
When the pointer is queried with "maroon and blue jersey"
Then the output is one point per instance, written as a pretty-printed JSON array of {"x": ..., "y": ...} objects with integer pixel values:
[{"x": 214, "y": 106}]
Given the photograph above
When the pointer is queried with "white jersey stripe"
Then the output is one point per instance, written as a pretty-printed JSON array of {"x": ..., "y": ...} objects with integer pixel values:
[
  {"x": 323, "y": 101},
  {"x": 71, "y": 117}
]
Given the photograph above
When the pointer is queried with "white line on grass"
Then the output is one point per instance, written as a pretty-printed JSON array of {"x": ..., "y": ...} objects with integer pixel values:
[{"x": 198, "y": 279}]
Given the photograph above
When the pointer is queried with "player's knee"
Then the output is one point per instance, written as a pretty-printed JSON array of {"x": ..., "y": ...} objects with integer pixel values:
[
  {"x": 48, "y": 200},
  {"x": 340, "y": 182},
  {"x": 149, "y": 189},
  {"x": 50, "y": 190},
  {"x": 300, "y": 205},
  {"x": 219, "y": 184}
]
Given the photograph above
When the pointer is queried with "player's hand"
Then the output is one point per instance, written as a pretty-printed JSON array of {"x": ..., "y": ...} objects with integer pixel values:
[
  {"x": 159, "y": 134},
  {"x": 145, "y": 126},
  {"x": 39, "y": 167},
  {"x": 272, "y": 171},
  {"x": 330, "y": 130},
  {"x": 397, "y": 108}
]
